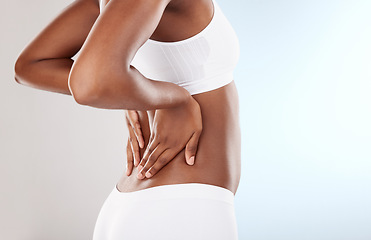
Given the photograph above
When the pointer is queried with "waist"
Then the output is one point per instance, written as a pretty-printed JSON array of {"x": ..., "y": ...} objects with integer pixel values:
[
  {"x": 220, "y": 172},
  {"x": 182, "y": 190}
]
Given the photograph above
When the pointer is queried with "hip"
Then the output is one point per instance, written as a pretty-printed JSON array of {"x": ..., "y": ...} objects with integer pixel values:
[{"x": 176, "y": 211}]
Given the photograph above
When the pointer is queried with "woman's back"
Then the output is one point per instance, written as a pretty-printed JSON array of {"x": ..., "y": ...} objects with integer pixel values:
[
  {"x": 218, "y": 157},
  {"x": 207, "y": 74}
]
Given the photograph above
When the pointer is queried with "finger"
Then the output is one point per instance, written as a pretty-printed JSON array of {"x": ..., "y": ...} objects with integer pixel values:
[
  {"x": 127, "y": 117},
  {"x": 162, "y": 160},
  {"x": 129, "y": 159},
  {"x": 150, "y": 147},
  {"x": 151, "y": 159},
  {"x": 134, "y": 146},
  {"x": 191, "y": 148},
  {"x": 136, "y": 155},
  {"x": 145, "y": 153},
  {"x": 138, "y": 132},
  {"x": 134, "y": 119}
]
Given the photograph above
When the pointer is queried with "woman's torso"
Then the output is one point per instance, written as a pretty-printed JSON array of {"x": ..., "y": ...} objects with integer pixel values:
[{"x": 218, "y": 157}]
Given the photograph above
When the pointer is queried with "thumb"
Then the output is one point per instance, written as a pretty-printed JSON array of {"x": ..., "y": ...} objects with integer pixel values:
[{"x": 191, "y": 148}]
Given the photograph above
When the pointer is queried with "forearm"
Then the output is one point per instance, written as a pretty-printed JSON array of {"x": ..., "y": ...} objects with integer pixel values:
[
  {"x": 49, "y": 75},
  {"x": 124, "y": 89},
  {"x": 145, "y": 94},
  {"x": 46, "y": 61}
]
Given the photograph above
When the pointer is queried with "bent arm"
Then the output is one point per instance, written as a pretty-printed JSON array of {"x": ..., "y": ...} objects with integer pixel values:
[
  {"x": 46, "y": 62},
  {"x": 102, "y": 76}
]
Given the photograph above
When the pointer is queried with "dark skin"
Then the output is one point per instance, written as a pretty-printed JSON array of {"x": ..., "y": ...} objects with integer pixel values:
[{"x": 99, "y": 79}]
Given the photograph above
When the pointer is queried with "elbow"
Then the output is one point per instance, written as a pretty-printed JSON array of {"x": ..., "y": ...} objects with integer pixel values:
[
  {"x": 82, "y": 87},
  {"x": 95, "y": 86},
  {"x": 81, "y": 96},
  {"x": 89, "y": 85}
]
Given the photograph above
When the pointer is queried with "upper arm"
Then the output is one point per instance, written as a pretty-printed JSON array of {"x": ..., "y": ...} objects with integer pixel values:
[
  {"x": 121, "y": 29},
  {"x": 65, "y": 34}
]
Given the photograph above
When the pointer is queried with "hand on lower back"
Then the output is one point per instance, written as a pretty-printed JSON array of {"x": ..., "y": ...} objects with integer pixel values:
[{"x": 172, "y": 130}]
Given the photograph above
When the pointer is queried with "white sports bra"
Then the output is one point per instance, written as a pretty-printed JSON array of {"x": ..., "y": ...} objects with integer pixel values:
[{"x": 201, "y": 63}]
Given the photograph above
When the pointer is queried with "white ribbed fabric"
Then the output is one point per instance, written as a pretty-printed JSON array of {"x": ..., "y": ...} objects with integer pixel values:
[
  {"x": 200, "y": 63},
  {"x": 187, "y": 211}
]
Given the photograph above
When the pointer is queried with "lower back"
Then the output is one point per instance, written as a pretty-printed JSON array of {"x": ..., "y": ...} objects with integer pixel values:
[{"x": 218, "y": 157}]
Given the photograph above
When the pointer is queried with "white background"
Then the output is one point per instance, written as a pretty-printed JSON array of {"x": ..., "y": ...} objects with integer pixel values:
[{"x": 304, "y": 84}]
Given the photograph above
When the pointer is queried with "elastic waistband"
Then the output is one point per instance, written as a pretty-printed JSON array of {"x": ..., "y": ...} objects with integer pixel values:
[{"x": 182, "y": 190}]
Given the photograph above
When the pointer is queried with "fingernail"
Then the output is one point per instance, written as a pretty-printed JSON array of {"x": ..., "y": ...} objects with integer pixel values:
[
  {"x": 191, "y": 160},
  {"x": 140, "y": 176},
  {"x": 140, "y": 167},
  {"x": 148, "y": 174}
]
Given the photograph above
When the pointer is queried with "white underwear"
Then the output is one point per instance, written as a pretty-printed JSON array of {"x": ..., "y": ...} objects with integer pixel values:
[{"x": 194, "y": 211}]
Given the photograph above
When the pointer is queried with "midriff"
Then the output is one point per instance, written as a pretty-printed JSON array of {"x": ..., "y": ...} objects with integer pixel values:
[{"x": 218, "y": 158}]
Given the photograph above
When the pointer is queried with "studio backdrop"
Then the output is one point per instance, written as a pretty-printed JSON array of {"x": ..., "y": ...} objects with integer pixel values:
[{"x": 304, "y": 83}]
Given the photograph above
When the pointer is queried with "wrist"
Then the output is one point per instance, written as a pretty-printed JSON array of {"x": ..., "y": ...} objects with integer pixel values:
[
  {"x": 187, "y": 98},
  {"x": 190, "y": 105}
]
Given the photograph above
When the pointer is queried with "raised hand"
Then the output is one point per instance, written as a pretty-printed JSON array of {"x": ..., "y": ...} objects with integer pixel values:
[{"x": 172, "y": 130}]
